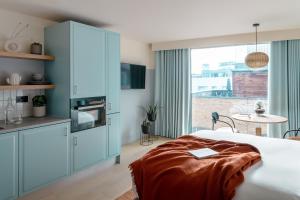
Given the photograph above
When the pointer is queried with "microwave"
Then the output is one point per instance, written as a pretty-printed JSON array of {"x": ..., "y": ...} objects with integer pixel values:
[{"x": 87, "y": 113}]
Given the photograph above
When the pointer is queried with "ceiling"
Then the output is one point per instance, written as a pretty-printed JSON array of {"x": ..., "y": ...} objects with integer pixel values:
[{"x": 165, "y": 20}]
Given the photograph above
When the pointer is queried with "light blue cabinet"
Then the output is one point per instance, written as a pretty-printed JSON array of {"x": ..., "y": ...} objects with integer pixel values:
[
  {"x": 9, "y": 166},
  {"x": 43, "y": 156},
  {"x": 87, "y": 64},
  {"x": 113, "y": 85},
  {"x": 88, "y": 56},
  {"x": 114, "y": 134},
  {"x": 79, "y": 66},
  {"x": 89, "y": 147}
]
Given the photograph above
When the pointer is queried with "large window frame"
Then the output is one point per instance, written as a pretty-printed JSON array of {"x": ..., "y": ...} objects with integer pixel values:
[{"x": 217, "y": 88}]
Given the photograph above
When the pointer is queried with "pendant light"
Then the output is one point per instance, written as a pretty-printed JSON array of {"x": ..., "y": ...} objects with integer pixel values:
[{"x": 256, "y": 59}]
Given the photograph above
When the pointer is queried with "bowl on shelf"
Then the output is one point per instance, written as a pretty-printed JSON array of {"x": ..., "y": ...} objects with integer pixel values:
[{"x": 37, "y": 77}]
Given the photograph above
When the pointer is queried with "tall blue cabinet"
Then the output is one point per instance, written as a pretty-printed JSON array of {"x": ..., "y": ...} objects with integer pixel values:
[
  {"x": 87, "y": 64},
  {"x": 87, "y": 61},
  {"x": 113, "y": 87},
  {"x": 79, "y": 68},
  {"x": 113, "y": 79}
]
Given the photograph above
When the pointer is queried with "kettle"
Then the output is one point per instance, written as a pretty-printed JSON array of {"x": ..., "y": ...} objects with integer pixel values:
[{"x": 14, "y": 79}]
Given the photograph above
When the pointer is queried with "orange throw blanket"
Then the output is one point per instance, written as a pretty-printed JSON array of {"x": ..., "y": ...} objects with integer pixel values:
[{"x": 170, "y": 172}]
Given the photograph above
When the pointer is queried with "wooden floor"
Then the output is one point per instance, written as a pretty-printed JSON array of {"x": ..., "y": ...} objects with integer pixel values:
[{"x": 106, "y": 181}]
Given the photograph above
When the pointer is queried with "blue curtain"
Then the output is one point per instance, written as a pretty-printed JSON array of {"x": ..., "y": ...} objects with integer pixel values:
[
  {"x": 173, "y": 92},
  {"x": 284, "y": 85}
]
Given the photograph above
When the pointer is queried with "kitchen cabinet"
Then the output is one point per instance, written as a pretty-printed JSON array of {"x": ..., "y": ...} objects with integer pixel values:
[
  {"x": 9, "y": 166},
  {"x": 114, "y": 134},
  {"x": 113, "y": 78},
  {"x": 88, "y": 56},
  {"x": 43, "y": 156},
  {"x": 87, "y": 64},
  {"x": 89, "y": 147},
  {"x": 79, "y": 67}
]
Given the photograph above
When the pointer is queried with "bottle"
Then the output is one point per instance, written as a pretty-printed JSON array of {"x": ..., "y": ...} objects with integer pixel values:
[
  {"x": 10, "y": 112},
  {"x": 18, "y": 117}
]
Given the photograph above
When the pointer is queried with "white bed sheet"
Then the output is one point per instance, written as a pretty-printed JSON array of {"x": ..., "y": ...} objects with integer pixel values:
[{"x": 276, "y": 177}]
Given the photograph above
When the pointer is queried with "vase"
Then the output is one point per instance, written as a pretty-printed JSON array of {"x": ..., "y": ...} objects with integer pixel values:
[
  {"x": 145, "y": 129},
  {"x": 259, "y": 111},
  {"x": 151, "y": 117},
  {"x": 36, "y": 48},
  {"x": 38, "y": 111}
]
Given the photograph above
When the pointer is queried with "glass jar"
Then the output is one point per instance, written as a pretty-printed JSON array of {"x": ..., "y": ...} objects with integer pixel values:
[{"x": 10, "y": 111}]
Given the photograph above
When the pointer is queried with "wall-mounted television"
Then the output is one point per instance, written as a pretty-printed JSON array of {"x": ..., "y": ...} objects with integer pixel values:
[{"x": 132, "y": 76}]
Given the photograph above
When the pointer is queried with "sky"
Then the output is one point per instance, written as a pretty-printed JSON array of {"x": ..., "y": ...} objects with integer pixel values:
[{"x": 215, "y": 56}]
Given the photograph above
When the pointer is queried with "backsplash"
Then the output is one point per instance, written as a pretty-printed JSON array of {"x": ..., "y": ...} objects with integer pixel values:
[{"x": 25, "y": 108}]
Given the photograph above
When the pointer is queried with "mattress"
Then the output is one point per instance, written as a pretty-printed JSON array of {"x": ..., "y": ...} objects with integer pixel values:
[{"x": 276, "y": 177}]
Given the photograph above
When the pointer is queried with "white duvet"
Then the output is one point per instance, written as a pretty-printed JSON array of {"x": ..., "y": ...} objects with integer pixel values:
[{"x": 276, "y": 177}]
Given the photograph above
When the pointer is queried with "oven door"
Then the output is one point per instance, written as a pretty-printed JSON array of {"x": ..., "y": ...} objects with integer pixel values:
[{"x": 85, "y": 117}]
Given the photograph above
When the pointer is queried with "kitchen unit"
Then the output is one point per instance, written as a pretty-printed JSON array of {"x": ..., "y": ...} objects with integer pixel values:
[
  {"x": 44, "y": 156},
  {"x": 113, "y": 85},
  {"x": 89, "y": 147},
  {"x": 28, "y": 152},
  {"x": 9, "y": 166},
  {"x": 87, "y": 65}
]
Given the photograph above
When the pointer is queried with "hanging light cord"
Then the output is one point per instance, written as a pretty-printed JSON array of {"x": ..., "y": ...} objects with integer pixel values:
[
  {"x": 256, "y": 25},
  {"x": 256, "y": 37}
]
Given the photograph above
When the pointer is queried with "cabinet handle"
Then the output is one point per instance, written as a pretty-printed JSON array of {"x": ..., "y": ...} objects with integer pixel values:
[
  {"x": 75, "y": 141},
  {"x": 109, "y": 121},
  {"x": 109, "y": 106},
  {"x": 75, "y": 89},
  {"x": 66, "y": 132}
]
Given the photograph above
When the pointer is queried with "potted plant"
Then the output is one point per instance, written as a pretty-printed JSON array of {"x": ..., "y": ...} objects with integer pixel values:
[
  {"x": 152, "y": 112},
  {"x": 259, "y": 108},
  {"x": 146, "y": 126},
  {"x": 39, "y": 106}
]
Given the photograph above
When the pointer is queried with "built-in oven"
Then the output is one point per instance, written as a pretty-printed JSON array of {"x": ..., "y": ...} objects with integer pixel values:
[{"x": 87, "y": 113}]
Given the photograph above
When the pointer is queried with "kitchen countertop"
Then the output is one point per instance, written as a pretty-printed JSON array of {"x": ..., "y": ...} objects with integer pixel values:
[{"x": 31, "y": 122}]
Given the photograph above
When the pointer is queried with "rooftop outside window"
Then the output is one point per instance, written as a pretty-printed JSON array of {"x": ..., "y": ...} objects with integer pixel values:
[{"x": 221, "y": 82}]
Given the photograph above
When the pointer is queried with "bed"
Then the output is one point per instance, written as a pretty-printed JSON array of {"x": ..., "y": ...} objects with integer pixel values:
[{"x": 277, "y": 177}]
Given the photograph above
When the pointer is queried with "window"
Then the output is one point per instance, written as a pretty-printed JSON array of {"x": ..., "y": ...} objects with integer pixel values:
[{"x": 221, "y": 82}]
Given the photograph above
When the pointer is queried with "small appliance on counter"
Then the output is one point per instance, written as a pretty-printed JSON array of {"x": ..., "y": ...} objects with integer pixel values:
[{"x": 87, "y": 113}]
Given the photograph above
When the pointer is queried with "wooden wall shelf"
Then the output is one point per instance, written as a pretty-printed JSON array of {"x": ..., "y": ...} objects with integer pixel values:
[
  {"x": 26, "y": 87},
  {"x": 27, "y": 56}
]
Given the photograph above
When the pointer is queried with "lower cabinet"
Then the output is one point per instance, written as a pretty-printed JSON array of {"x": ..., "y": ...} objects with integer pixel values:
[
  {"x": 44, "y": 156},
  {"x": 9, "y": 166},
  {"x": 33, "y": 158},
  {"x": 114, "y": 134},
  {"x": 89, "y": 147}
]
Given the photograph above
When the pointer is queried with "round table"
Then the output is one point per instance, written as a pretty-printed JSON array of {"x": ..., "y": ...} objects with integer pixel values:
[{"x": 259, "y": 119}]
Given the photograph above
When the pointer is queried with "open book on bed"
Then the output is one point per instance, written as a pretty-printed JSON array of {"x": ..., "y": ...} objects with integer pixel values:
[{"x": 203, "y": 152}]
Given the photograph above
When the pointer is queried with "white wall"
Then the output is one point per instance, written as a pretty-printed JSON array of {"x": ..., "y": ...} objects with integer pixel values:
[
  {"x": 133, "y": 102},
  {"x": 35, "y": 33}
]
